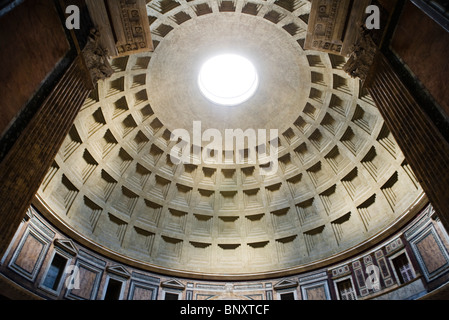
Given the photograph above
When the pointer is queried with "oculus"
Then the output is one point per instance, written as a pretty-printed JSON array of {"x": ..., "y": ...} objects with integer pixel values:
[{"x": 228, "y": 80}]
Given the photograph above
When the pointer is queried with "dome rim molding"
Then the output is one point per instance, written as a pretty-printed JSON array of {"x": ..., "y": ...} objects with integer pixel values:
[{"x": 368, "y": 244}]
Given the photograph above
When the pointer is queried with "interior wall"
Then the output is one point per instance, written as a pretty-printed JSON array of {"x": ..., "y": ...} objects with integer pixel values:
[
  {"x": 423, "y": 243},
  {"x": 32, "y": 42},
  {"x": 423, "y": 45}
]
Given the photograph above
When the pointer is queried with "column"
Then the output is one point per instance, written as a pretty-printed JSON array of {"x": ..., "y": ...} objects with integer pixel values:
[
  {"x": 25, "y": 166},
  {"x": 424, "y": 147}
]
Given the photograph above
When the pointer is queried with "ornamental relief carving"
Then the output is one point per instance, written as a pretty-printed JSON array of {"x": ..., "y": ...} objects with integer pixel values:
[
  {"x": 96, "y": 58},
  {"x": 136, "y": 36},
  {"x": 326, "y": 26},
  {"x": 362, "y": 56},
  {"x": 123, "y": 25}
]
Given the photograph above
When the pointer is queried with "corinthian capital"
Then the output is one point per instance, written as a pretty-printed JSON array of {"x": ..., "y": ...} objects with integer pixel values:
[{"x": 97, "y": 58}]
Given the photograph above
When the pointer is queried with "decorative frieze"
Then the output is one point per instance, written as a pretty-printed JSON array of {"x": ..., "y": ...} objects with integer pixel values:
[
  {"x": 326, "y": 25},
  {"x": 123, "y": 26},
  {"x": 394, "y": 246},
  {"x": 333, "y": 24},
  {"x": 340, "y": 271}
]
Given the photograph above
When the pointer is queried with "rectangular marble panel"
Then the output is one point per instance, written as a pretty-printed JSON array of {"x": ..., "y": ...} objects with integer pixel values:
[
  {"x": 89, "y": 280},
  {"x": 431, "y": 253},
  {"x": 29, "y": 254},
  {"x": 141, "y": 291},
  {"x": 317, "y": 293}
]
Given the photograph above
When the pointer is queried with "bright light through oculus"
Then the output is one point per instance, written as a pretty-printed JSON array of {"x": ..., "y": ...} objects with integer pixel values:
[{"x": 228, "y": 79}]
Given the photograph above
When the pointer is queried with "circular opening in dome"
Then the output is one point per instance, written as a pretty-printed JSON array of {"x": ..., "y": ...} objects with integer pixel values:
[{"x": 228, "y": 79}]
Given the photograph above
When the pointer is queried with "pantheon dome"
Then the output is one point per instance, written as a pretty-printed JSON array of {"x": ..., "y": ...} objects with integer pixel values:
[
  {"x": 341, "y": 179},
  {"x": 333, "y": 184}
]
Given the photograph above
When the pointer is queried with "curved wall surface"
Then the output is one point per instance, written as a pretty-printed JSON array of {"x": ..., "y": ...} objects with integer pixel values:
[
  {"x": 410, "y": 264},
  {"x": 341, "y": 180}
]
